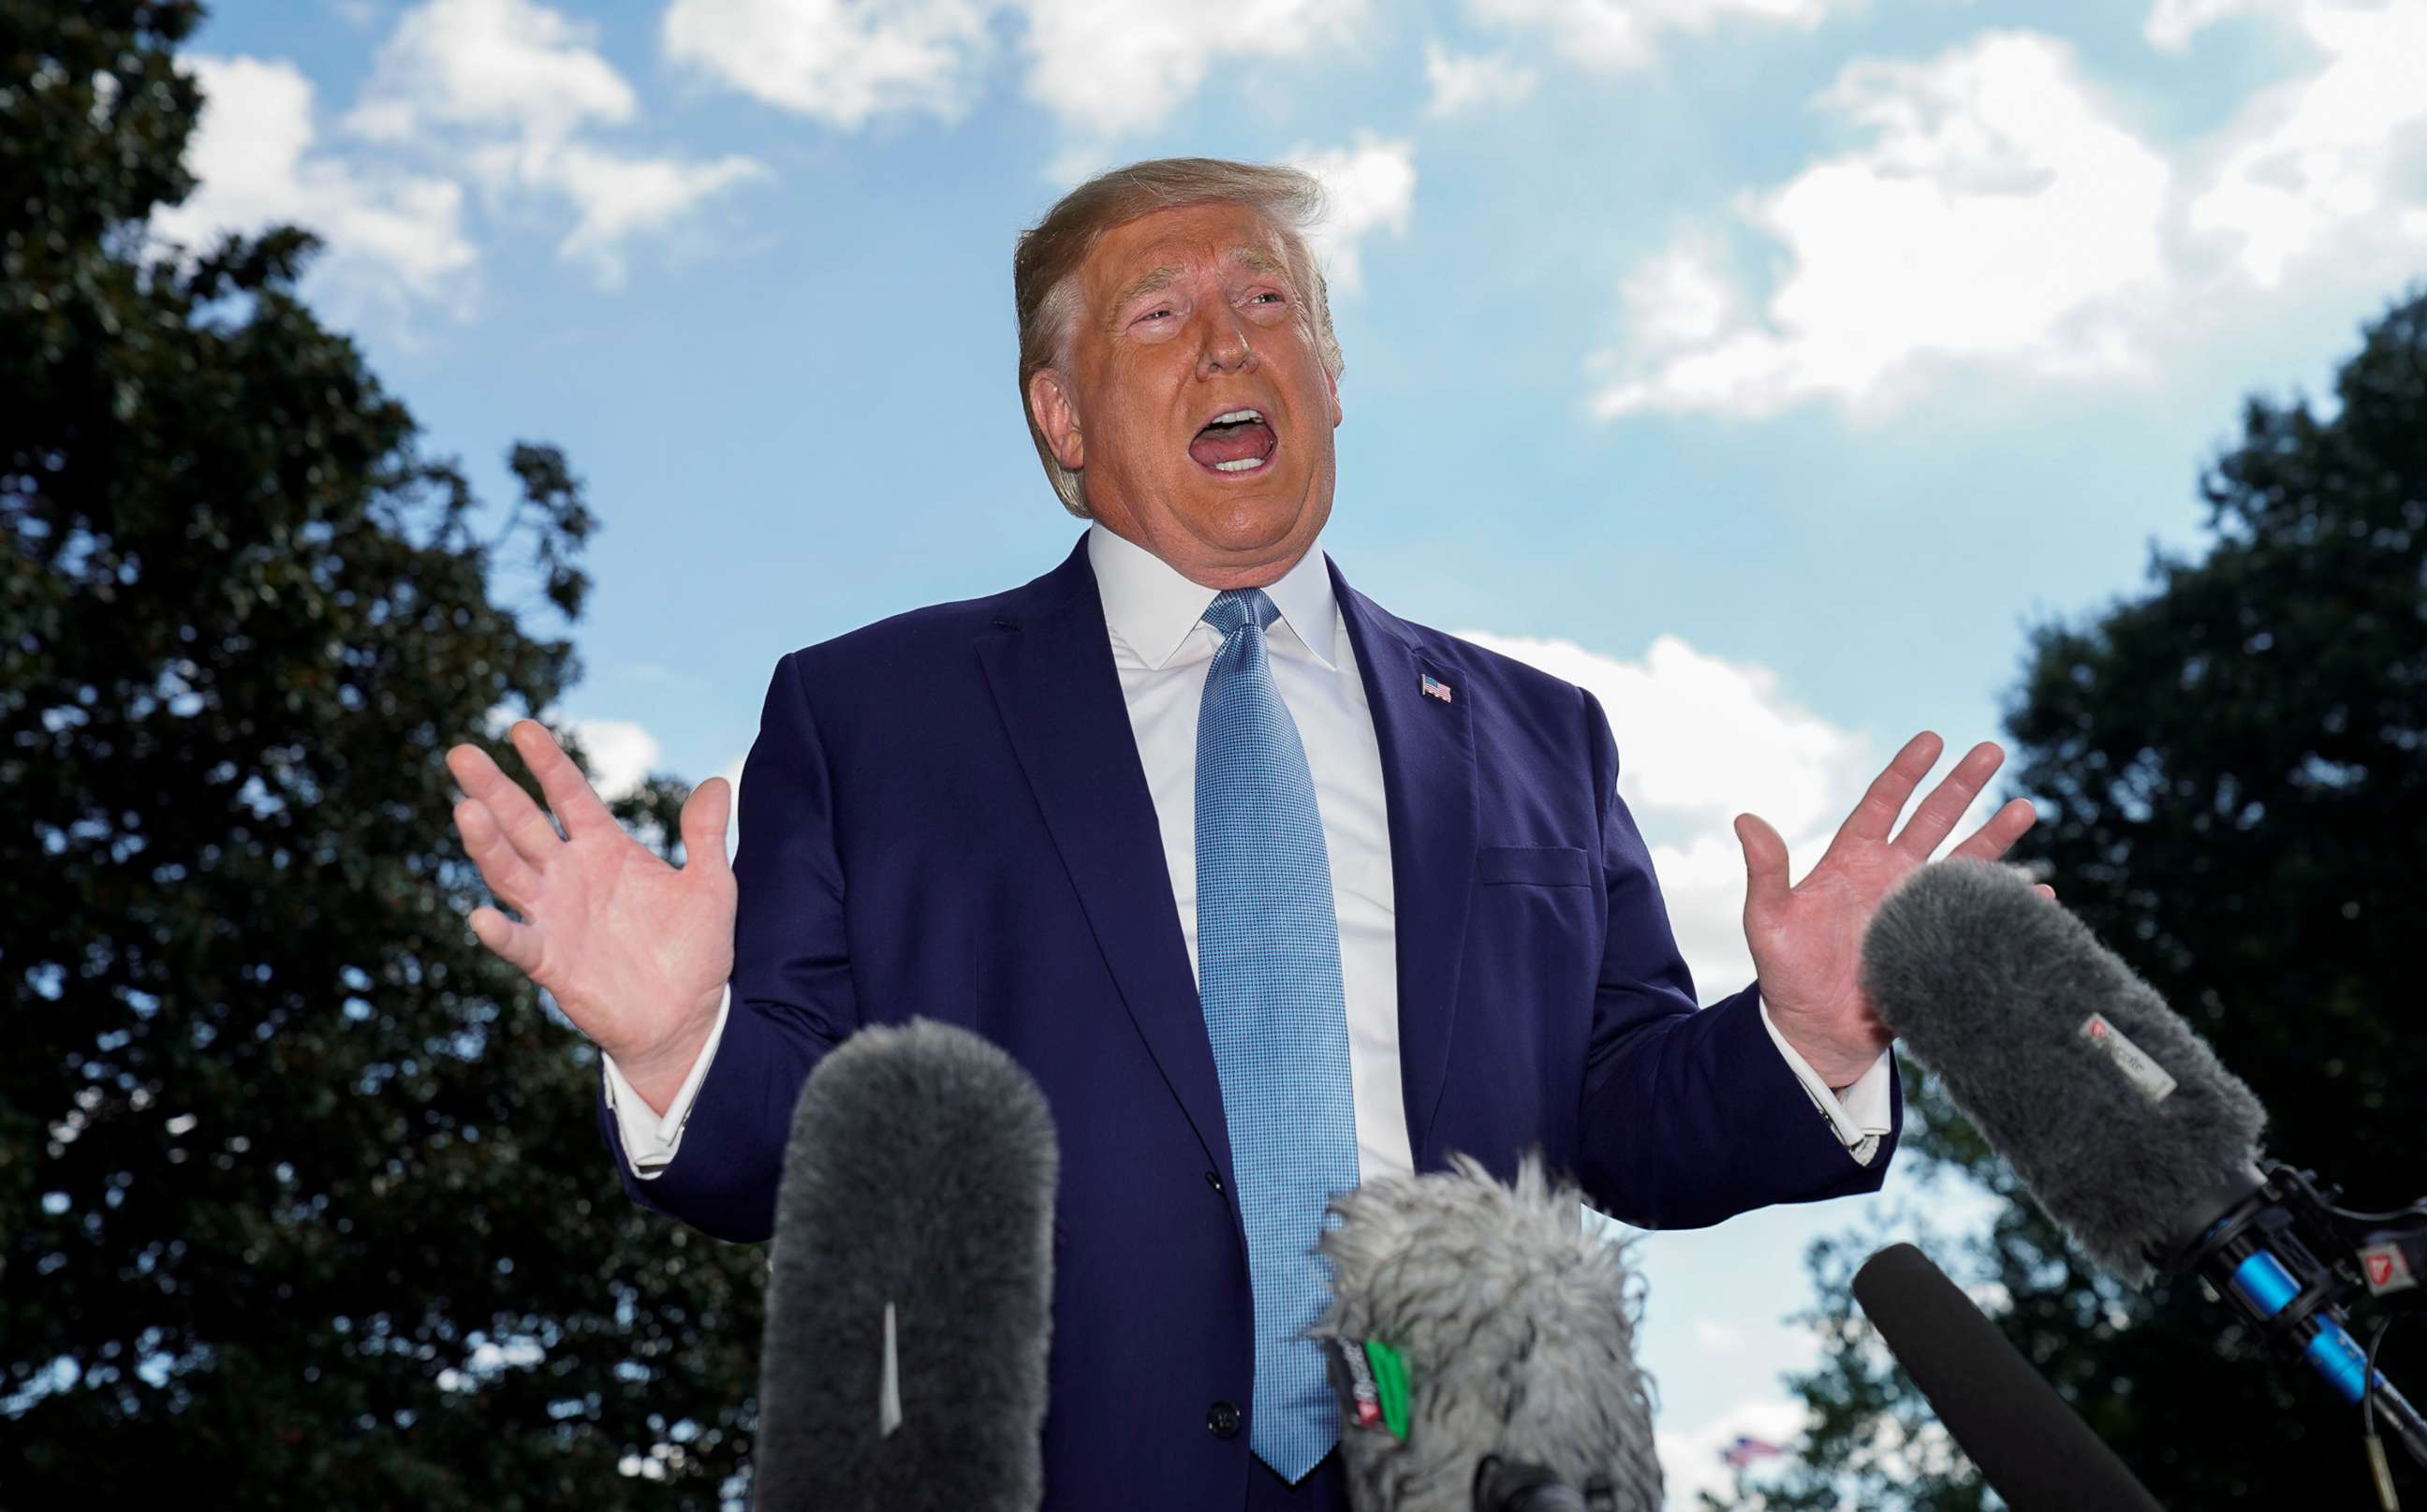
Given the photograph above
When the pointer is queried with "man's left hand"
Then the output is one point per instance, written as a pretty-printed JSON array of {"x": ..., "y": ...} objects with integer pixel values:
[{"x": 1807, "y": 939}]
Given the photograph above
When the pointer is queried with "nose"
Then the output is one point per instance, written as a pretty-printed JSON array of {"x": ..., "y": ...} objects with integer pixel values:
[{"x": 1225, "y": 349}]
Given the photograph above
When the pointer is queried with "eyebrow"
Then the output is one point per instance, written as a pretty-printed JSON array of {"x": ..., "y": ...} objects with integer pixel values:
[
  {"x": 1152, "y": 282},
  {"x": 1257, "y": 259},
  {"x": 1156, "y": 280}
]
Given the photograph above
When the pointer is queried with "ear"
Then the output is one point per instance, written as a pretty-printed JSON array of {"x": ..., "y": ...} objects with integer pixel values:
[
  {"x": 1331, "y": 386},
  {"x": 1049, "y": 404}
]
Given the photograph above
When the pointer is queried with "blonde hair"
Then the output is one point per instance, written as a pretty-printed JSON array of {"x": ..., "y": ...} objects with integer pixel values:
[{"x": 1046, "y": 262}]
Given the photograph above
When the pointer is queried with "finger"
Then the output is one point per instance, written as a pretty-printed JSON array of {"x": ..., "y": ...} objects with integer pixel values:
[
  {"x": 518, "y": 944},
  {"x": 1938, "y": 813},
  {"x": 503, "y": 866},
  {"x": 2004, "y": 828},
  {"x": 704, "y": 817},
  {"x": 568, "y": 792},
  {"x": 522, "y": 820},
  {"x": 1885, "y": 799},
  {"x": 1764, "y": 863},
  {"x": 2045, "y": 890}
]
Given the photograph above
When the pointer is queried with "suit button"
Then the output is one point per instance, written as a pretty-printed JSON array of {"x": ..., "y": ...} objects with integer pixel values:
[
  {"x": 1214, "y": 1181},
  {"x": 1222, "y": 1421}
]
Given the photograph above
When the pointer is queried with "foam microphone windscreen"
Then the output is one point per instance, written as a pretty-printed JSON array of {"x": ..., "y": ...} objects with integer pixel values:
[
  {"x": 2034, "y": 1452},
  {"x": 1517, "y": 1330},
  {"x": 2109, "y": 1107},
  {"x": 909, "y": 1308}
]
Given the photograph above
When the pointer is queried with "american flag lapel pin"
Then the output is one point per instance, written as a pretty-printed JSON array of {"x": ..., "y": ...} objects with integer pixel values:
[{"x": 1435, "y": 687}]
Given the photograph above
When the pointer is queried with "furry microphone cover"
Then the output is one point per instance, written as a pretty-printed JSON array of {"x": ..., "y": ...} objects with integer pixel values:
[
  {"x": 1994, "y": 988},
  {"x": 1517, "y": 1330},
  {"x": 920, "y": 1175}
]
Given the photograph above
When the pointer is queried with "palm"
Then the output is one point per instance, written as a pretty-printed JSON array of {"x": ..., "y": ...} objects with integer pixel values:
[
  {"x": 1807, "y": 939},
  {"x": 633, "y": 950},
  {"x": 1813, "y": 935},
  {"x": 621, "y": 931}
]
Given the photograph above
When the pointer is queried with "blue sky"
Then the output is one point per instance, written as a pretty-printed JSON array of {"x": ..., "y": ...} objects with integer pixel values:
[{"x": 1767, "y": 366}]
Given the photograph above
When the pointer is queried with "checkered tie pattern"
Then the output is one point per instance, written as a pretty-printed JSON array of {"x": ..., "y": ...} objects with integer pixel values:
[{"x": 1268, "y": 975}]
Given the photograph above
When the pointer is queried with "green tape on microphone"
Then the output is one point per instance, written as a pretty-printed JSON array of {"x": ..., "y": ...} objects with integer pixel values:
[{"x": 1378, "y": 1386}]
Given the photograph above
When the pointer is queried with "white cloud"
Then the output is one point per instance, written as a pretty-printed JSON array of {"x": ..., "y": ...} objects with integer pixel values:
[
  {"x": 2173, "y": 23},
  {"x": 618, "y": 197},
  {"x": 1113, "y": 68},
  {"x": 488, "y": 63},
  {"x": 1998, "y": 213},
  {"x": 2317, "y": 160},
  {"x": 1716, "y": 1336},
  {"x": 620, "y": 754},
  {"x": 512, "y": 93},
  {"x": 1368, "y": 187},
  {"x": 2003, "y": 216},
  {"x": 1701, "y": 740},
  {"x": 1103, "y": 68},
  {"x": 1680, "y": 298},
  {"x": 390, "y": 236},
  {"x": 1690, "y": 1458},
  {"x": 836, "y": 61},
  {"x": 1624, "y": 34},
  {"x": 1463, "y": 82}
]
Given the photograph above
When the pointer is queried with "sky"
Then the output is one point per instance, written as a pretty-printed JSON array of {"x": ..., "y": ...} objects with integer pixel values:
[{"x": 1768, "y": 366}]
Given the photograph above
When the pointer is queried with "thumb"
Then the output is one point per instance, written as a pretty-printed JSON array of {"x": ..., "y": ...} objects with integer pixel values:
[
  {"x": 1765, "y": 861},
  {"x": 705, "y": 814}
]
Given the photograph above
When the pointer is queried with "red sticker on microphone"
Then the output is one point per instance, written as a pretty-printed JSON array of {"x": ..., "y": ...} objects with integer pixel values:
[{"x": 2388, "y": 1269}]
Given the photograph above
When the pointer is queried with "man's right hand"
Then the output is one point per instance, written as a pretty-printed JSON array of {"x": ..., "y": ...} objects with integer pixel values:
[{"x": 634, "y": 950}]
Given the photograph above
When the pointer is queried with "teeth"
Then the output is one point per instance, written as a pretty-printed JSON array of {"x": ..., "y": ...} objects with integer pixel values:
[
  {"x": 1239, "y": 467},
  {"x": 1235, "y": 417}
]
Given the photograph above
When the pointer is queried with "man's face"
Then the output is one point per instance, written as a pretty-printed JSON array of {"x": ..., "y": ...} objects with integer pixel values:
[{"x": 1192, "y": 399}]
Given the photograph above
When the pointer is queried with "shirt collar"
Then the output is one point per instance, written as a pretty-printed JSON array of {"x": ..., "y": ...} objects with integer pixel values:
[{"x": 1152, "y": 608}]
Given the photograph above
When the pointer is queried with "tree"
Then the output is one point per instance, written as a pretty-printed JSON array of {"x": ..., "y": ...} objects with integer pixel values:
[
  {"x": 2232, "y": 777},
  {"x": 301, "y": 1196}
]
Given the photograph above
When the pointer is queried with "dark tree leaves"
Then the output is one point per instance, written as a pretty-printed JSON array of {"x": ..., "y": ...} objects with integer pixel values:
[{"x": 301, "y": 1198}]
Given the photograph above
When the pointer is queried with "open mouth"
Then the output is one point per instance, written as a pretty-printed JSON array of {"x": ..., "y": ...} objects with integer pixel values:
[{"x": 1235, "y": 442}]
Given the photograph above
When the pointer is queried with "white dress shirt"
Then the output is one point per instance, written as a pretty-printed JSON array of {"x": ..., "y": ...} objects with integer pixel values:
[{"x": 1162, "y": 648}]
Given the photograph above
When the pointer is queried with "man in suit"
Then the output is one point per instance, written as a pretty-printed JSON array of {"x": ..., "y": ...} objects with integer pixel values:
[{"x": 1271, "y": 890}]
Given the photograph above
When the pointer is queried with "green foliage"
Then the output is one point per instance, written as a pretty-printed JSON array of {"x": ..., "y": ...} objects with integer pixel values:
[
  {"x": 303, "y": 1199},
  {"x": 2232, "y": 779}
]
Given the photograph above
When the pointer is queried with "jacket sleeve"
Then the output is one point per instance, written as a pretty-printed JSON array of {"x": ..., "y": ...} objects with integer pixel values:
[
  {"x": 1690, "y": 1115},
  {"x": 792, "y": 990}
]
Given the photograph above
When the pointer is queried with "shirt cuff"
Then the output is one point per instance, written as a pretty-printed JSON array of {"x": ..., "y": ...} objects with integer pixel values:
[
  {"x": 1859, "y": 1115},
  {"x": 650, "y": 1137}
]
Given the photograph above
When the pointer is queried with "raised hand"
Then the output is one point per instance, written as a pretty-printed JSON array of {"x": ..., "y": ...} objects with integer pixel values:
[
  {"x": 1807, "y": 939},
  {"x": 634, "y": 950}
]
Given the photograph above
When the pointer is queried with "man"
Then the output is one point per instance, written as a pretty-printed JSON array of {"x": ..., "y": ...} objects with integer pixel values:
[{"x": 1271, "y": 890}]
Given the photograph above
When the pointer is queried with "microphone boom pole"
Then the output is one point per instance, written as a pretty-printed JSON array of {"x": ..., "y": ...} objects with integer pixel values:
[{"x": 2261, "y": 1258}]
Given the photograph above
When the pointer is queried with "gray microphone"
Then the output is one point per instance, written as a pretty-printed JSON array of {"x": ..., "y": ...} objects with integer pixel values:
[
  {"x": 2113, "y": 1110},
  {"x": 909, "y": 1309},
  {"x": 2117, "y": 1115},
  {"x": 1482, "y": 1346}
]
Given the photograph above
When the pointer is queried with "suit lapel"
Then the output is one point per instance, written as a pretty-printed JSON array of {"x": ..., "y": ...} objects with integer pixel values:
[
  {"x": 1427, "y": 749},
  {"x": 1052, "y": 672}
]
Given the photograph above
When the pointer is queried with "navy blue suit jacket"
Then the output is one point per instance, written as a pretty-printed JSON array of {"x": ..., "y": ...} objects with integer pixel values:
[{"x": 946, "y": 815}]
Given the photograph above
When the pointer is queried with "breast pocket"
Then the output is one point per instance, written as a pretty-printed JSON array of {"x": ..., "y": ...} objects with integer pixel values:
[
  {"x": 1541, "y": 866},
  {"x": 1525, "y": 986}
]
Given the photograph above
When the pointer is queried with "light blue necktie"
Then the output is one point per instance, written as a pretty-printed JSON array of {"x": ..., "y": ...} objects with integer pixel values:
[{"x": 1268, "y": 975}]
